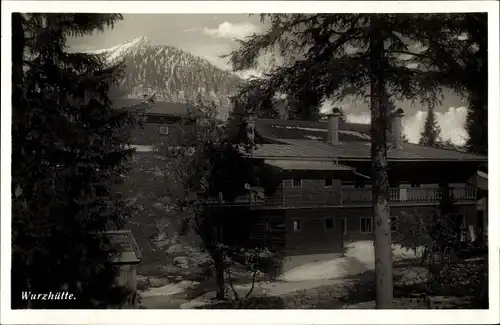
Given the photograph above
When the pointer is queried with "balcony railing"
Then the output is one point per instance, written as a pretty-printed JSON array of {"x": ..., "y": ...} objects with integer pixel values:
[
  {"x": 349, "y": 196},
  {"x": 254, "y": 197},
  {"x": 353, "y": 196}
]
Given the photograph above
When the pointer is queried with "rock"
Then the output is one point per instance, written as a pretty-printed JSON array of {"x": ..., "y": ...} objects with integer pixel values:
[
  {"x": 162, "y": 243},
  {"x": 181, "y": 261},
  {"x": 170, "y": 270},
  {"x": 159, "y": 206},
  {"x": 142, "y": 282},
  {"x": 162, "y": 236},
  {"x": 187, "y": 284},
  {"x": 175, "y": 249},
  {"x": 158, "y": 281},
  {"x": 199, "y": 258}
]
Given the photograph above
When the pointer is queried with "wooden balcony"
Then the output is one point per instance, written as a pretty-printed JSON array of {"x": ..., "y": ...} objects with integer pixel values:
[
  {"x": 349, "y": 197},
  {"x": 253, "y": 198},
  {"x": 361, "y": 196}
]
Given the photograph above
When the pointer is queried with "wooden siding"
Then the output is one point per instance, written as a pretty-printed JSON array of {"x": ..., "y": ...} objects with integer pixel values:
[
  {"x": 269, "y": 230},
  {"x": 127, "y": 277},
  {"x": 149, "y": 133},
  {"x": 354, "y": 215},
  {"x": 313, "y": 237},
  {"x": 311, "y": 193}
]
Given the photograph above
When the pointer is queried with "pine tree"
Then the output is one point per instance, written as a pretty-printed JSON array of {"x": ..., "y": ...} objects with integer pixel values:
[
  {"x": 431, "y": 132},
  {"x": 457, "y": 55},
  {"x": 474, "y": 78},
  {"x": 448, "y": 144},
  {"x": 207, "y": 163},
  {"x": 305, "y": 106},
  {"x": 67, "y": 151},
  {"x": 339, "y": 55}
]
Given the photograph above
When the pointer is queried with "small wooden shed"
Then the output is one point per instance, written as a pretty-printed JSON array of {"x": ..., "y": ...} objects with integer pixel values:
[{"x": 127, "y": 257}]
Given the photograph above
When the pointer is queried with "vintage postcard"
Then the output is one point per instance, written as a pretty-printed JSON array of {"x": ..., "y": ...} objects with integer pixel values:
[{"x": 244, "y": 162}]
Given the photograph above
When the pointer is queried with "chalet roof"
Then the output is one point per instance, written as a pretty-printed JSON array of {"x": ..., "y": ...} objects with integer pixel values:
[
  {"x": 310, "y": 130},
  {"x": 307, "y": 165},
  {"x": 156, "y": 108},
  {"x": 355, "y": 150},
  {"x": 295, "y": 139}
]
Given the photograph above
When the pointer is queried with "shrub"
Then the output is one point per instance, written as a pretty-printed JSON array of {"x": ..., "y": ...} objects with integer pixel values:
[{"x": 257, "y": 262}]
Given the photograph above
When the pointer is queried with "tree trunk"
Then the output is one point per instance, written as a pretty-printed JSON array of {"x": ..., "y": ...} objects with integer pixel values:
[
  {"x": 380, "y": 186},
  {"x": 219, "y": 265},
  {"x": 219, "y": 277}
]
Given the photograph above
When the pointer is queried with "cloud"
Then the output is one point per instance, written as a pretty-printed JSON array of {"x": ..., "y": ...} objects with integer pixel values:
[
  {"x": 451, "y": 122},
  {"x": 229, "y": 30}
]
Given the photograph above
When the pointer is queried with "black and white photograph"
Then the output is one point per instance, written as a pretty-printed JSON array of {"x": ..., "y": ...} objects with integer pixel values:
[{"x": 321, "y": 156}]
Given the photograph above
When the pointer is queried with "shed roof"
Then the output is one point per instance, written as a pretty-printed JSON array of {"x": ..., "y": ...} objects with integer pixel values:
[{"x": 127, "y": 250}]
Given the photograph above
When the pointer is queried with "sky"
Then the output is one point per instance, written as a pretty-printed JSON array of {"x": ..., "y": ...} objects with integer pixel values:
[{"x": 212, "y": 35}]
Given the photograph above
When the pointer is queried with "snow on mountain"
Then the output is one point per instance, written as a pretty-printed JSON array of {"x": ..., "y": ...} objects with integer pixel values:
[
  {"x": 118, "y": 52},
  {"x": 171, "y": 73}
]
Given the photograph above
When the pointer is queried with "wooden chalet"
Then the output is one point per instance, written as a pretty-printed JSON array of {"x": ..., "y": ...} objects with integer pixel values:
[
  {"x": 161, "y": 119},
  {"x": 324, "y": 199}
]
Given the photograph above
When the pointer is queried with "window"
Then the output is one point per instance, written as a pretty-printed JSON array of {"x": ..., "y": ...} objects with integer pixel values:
[
  {"x": 344, "y": 226},
  {"x": 329, "y": 223},
  {"x": 296, "y": 225},
  {"x": 163, "y": 130},
  {"x": 462, "y": 221},
  {"x": 296, "y": 182},
  {"x": 328, "y": 182},
  {"x": 347, "y": 183},
  {"x": 365, "y": 225},
  {"x": 359, "y": 183},
  {"x": 268, "y": 226},
  {"x": 394, "y": 223}
]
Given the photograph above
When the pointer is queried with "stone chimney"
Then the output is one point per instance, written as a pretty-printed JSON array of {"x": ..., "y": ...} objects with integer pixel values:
[
  {"x": 333, "y": 126},
  {"x": 397, "y": 129}
]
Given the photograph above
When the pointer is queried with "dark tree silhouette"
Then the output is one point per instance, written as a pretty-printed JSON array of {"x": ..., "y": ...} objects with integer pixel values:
[
  {"x": 338, "y": 55},
  {"x": 67, "y": 151},
  {"x": 457, "y": 56},
  {"x": 430, "y": 135}
]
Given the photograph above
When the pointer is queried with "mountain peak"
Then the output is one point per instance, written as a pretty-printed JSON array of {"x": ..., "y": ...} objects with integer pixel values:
[
  {"x": 139, "y": 41},
  {"x": 172, "y": 74},
  {"x": 117, "y": 52}
]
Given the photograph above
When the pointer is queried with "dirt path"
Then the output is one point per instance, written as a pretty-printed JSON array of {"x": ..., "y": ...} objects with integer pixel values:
[{"x": 332, "y": 274}]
